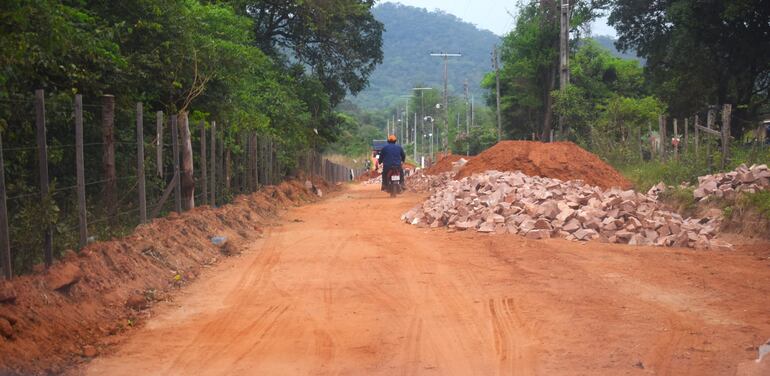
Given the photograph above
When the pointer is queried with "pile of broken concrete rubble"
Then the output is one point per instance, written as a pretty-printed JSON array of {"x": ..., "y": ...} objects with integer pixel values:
[
  {"x": 728, "y": 185},
  {"x": 538, "y": 208}
]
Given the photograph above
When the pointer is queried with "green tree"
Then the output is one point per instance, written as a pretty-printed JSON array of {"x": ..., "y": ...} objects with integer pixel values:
[
  {"x": 340, "y": 41},
  {"x": 530, "y": 57},
  {"x": 701, "y": 52},
  {"x": 597, "y": 78}
]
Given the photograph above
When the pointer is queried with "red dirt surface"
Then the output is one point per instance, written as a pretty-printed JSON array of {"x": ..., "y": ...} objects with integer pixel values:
[
  {"x": 445, "y": 164},
  {"x": 559, "y": 160},
  {"x": 326, "y": 293},
  {"x": 71, "y": 312},
  {"x": 367, "y": 175}
]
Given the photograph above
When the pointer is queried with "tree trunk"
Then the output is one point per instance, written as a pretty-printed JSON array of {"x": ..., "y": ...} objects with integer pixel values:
[{"x": 187, "y": 178}]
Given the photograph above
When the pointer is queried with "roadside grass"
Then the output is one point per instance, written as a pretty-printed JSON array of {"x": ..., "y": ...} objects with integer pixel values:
[
  {"x": 681, "y": 199},
  {"x": 759, "y": 202},
  {"x": 645, "y": 174}
]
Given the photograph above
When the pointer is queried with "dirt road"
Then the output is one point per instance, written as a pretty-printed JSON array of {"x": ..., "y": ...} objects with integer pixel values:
[{"x": 343, "y": 287}]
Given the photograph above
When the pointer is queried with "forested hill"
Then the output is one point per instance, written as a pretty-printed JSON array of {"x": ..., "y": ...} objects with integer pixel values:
[
  {"x": 410, "y": 35},
  {"x": 609, "y": 43}
]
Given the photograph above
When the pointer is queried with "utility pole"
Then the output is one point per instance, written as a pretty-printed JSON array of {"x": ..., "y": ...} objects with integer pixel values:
[
  {"x": 422, "y": 115},
  {"x": 497, "y": 95},
  {"x": 467, "y": 121},
  {"x": 473, "y": 112},
  {"x": 406, "y": 123},
  {"x": 414, "y": 146},
  {"x": 446, "y": 57},
  {"x": 563, "y": 56}
]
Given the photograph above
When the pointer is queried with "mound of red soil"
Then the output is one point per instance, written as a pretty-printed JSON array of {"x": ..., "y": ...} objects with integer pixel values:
[
  {"x": 444, "y": 164},
  {"x": 559, "y": 160},
  {"x": 70, "y": 313}
]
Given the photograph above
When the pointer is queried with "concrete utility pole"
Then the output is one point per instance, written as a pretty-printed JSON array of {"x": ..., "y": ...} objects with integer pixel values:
[
  {"x": 422, "y": 115},
  {"x": 497, "y": 95},
  {"x": 446, "y": 56},
  {"x": 414, "y": 145},
  {"x": 473, "y": 112},
  {"x": 467, "y": 121},
  {"x": 563, "y": 56}
]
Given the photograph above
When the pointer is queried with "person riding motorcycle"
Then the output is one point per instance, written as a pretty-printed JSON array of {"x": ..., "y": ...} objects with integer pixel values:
[{"x": 392, "y": 155}]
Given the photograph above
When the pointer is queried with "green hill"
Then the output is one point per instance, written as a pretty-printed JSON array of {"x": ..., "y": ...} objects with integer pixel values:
[
  {"x": 410, "y": 35},
  {"x": 609, "y": 43}
]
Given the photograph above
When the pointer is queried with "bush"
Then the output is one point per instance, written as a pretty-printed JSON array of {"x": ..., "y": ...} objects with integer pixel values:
[{"x": 759, "y": 201}]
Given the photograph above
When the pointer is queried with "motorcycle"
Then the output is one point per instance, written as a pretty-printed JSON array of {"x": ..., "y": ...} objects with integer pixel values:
[{"x": 394, "y": 183}]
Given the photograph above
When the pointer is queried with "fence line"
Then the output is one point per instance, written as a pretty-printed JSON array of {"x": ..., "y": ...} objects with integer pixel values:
[
  {"x": 221, "y": 175},
  {"x": 670, "y": 146}
]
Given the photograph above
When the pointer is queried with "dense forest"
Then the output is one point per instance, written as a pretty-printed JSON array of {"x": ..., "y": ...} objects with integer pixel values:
[{"x": 410, "y": 35}]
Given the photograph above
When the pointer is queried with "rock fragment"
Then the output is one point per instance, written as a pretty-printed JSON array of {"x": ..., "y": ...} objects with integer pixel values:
[{"x": 539, "y": 208}]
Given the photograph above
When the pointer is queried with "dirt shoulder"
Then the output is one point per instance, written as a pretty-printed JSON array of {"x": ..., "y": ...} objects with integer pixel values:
[
  {"x": 77, "y": 309},
  {"x": 343, "y": 287}
]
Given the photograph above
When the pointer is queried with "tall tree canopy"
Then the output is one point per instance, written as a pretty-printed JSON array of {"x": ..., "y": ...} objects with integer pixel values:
[
  {"x": 701, "y": 52},
  {"x": 340, "y": 41},
  {"x": 530, "y": 56}
]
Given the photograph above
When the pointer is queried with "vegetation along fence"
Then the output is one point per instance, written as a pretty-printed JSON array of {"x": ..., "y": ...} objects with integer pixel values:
[{"x": 69, "y": 175}]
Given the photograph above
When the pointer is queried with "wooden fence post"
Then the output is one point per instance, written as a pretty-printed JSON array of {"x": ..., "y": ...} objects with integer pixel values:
[
  {"x": 697, "y": 136},
  {"x": 662, "y": 135},
  {"x": 726, "y": 117},
  {"x": 140, "y": 162},
  {"x": 110, "y": 199},
  {"x": 221, "y": 163},
  {"x": 159, "y": 143},
  {"x": 175, "y": 152},
  {"x": 204, "y": 165},
  {"x": 42, "y": 154},
  {"x": 213, "y": 198},
  {"x": 686, "y": 134},
  {"x": 710, "y": 125},
  {"x": 187, "y": 181},
  {"x": 259, "y": 161},
  {"x": 268, "y": 160},
  {"x": 242, "y": 174},
  {"x": 250, "y": 162},
  {"x": 80, "y": 172},
  {"x": 228, "y": 171},
  {"x": 5, "y": 242},
  {"x": 676, "y": 135}
]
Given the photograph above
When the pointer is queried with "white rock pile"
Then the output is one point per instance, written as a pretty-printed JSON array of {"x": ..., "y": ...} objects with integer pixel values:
[
  {"x": 728, "y": 185},
  {"x": 539, "y": 208}
]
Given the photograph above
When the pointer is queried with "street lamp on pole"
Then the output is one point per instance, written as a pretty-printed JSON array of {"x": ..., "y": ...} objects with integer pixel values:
[
  {"x": 422, "y": 116},
  {"x": 430, "y": 119},
  {"x": 446, "y": 57}
]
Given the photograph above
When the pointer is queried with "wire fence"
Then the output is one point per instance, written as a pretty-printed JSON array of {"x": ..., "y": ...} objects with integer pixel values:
[{"x": 73, "y": 172}]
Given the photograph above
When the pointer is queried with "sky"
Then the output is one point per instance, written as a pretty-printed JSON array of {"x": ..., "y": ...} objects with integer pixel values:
[{"x": 496, "y": 16}]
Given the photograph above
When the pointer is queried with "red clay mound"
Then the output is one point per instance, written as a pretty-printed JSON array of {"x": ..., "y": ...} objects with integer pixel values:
[
  {"x": 559, "y": 160},
  {"x": 444, "y": 164}
]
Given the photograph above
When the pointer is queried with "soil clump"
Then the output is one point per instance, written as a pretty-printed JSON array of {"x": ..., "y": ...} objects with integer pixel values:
[{"x": 557, "y": 160}]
